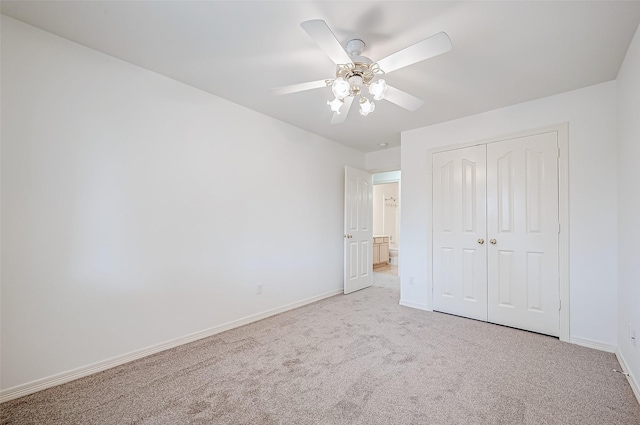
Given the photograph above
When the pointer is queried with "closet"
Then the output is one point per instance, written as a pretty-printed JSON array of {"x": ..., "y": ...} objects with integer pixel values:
[{"x": 495, "y": 232}]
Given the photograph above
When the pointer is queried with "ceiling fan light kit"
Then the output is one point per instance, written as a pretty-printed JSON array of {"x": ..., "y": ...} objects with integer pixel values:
[
  {"x": 378, "y": 89},
  {"x": 366, "y": 106},
  {"x": 335, "y": 104},
  {"x": 355, "y": 72},
  {"x": 352, "y": 77},
  {"x": 340, "y": 88}
]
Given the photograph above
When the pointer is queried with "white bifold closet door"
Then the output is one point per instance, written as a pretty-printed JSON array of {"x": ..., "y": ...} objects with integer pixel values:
[
  {"x": 495, "y": 233},
  {"x": 459, "y": 229}
]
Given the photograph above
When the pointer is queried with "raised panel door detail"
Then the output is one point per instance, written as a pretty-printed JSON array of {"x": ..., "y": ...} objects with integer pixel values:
[
  {"x": 365, "y": 260},
  {"x": 534, "y": 185},
  {"x": 353, "y": 263},
  {"x": 446, "y": 271},
  {"x": 459, "y": 220},
  {"x": 358, "y": 216},
  {"x": 505, "y": 278},
  {"x": 363, "y": 215},
  {"x": 446, "y": 197},
  {"x": 469, "y": 192},
  {"x": 505, "y": 193},
  {"x": 534, "y": 281},
  {"x": 353, "y": 202},
  {"x": 468, "y": 274}
]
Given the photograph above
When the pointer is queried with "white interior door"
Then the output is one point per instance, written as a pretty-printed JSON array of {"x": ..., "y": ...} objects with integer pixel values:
[
  {"x": 358, "y": 230},
  {"x": 459, "y": 229},
  {"x": 522, "y": 221}
]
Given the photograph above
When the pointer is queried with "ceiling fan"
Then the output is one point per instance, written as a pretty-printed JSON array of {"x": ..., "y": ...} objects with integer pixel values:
[{"x": 355, "y": 73}]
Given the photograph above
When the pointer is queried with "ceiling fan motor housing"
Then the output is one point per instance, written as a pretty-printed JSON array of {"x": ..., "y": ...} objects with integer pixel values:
[
  {"x": 355, "y": 47},
  {"x": 361, "y": 71}
]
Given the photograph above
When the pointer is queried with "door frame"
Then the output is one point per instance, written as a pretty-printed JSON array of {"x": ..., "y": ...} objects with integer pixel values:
[
  {"x": 562, "y": 131},
  {"x": 392, "y": 176}
]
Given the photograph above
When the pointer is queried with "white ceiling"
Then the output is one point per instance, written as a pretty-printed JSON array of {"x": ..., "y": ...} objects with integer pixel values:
[{"x": 503, "y": 52}]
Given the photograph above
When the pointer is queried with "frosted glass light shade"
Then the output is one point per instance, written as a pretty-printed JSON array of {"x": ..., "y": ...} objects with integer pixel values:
[
  {"x": 366, "y": 106},
  {"x": 335, "y": 104},
  {"x": 355, "y": 83},
  {"x": 378, "y": 89},
  {"x": 340, "y": 88}
]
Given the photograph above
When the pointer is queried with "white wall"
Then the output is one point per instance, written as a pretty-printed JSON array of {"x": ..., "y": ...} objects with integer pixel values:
[
  {"x": 136, "y": 209},
  {"x": 383, "y": 160},
  {"x": 591, "y": 114},
  {"x": 629, "y": 207},
  {"x": 378, "y": 213}
]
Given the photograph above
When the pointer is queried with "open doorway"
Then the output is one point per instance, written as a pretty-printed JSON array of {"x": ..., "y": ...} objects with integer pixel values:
[{"x": 386, "y": 222}]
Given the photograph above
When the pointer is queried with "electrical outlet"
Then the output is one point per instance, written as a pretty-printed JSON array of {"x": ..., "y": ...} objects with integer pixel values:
[
  {"x": 259, "y": 289},
  {"x": 412, "y": 280}
]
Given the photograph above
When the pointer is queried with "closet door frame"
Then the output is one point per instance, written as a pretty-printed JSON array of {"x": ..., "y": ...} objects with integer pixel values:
[{"x": 562, "y": 131}]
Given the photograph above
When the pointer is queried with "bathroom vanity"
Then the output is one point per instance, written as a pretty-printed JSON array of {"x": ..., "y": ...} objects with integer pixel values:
[{"x": 380, "y": 249}]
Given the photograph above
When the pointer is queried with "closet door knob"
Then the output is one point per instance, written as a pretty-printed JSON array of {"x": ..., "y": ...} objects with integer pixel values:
[
  {"x": 493, "y": 241},
  {"x": 480, "y": 241}
]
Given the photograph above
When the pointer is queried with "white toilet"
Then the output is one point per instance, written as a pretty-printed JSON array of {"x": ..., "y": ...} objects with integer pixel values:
[{"x": 393, "y": 256}]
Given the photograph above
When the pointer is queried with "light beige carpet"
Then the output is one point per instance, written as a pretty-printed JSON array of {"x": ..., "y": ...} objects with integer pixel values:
[{"x": 355, "y": 359}]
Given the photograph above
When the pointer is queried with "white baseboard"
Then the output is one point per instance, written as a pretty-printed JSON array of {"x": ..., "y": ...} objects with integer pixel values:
[
  {"x": 597, "y": 345},
  {"x": 411, "y": 304},
  {"x": 64, "y": 377},
  {"x": 632, "y": 379},
  {"x": 611, "y": 349}
]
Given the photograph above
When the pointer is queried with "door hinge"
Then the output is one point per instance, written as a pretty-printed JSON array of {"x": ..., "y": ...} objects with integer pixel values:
[
  {"x": 558, "y": 152},
  {"x": 558, "y": 227},
  {"x": 560, "y": 306}
]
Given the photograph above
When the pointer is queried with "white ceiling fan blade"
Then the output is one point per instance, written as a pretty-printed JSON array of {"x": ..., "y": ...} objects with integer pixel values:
[
  {"x": 339, "y": 118},
  {"x": 294, "y": 88},
  {"x": 425, "y": 49},
  {"x": 320, "y": 32},
  {"x": 402, "y": 99}
]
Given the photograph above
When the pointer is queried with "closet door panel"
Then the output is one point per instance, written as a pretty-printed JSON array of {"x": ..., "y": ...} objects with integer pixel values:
[
  {"x": 459, "y": 223},
  {"x": 522, "y": 220}
]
